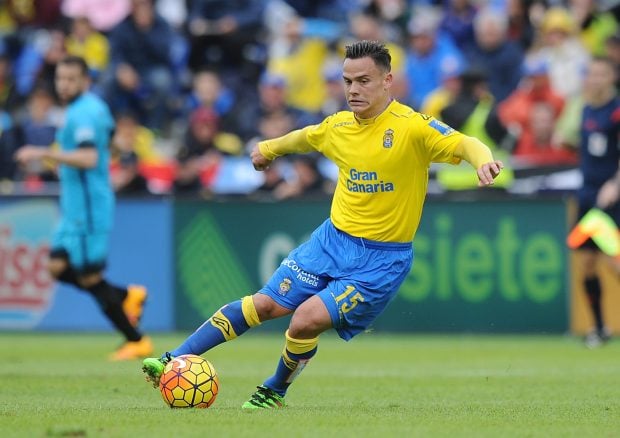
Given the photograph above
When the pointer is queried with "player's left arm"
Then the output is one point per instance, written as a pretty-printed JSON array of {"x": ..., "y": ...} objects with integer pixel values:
[
  {"x": 480, "y": 157},
  {"x": 84, "y": 157}
]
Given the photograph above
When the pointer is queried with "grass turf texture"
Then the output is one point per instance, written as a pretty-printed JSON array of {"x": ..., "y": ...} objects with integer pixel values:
[{"x": 376, "y": 385}]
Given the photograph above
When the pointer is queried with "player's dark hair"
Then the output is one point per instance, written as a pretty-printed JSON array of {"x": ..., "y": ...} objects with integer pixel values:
[
  {"x": 77, "y": 61},
  {"x": 372, "y": 49}
]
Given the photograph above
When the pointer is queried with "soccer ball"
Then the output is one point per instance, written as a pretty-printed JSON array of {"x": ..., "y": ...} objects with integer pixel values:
[{"x": 189, "y": 381}]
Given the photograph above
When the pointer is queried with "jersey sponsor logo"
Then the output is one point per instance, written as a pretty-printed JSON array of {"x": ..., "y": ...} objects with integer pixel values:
[
  {"x": 367, "y": 182},
  {"x": 441, "y": 127},
  {"x": 388, "y": 138},
  {"x": 301, "y": 275}
]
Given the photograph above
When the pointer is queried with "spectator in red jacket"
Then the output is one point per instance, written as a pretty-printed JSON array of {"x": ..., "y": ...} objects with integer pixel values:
[{"x": 530, "y": 112}]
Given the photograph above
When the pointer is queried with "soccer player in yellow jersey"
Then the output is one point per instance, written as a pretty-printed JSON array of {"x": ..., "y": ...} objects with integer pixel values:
[{"x": 353, "y": 264}]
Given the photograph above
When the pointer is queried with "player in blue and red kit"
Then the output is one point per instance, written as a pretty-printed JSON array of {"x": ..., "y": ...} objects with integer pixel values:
[
  {"x": 80, "y": 244},
  {"x": 600, "y": 155}
]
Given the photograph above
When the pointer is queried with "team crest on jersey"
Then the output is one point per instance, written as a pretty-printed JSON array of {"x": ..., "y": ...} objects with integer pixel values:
[
  {"x": 388, "y": 138},
  {"x": 285, "y": 286}
]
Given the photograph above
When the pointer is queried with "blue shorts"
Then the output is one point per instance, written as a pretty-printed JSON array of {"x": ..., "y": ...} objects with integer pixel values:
[
  {"x": 85, "y": 252},
  {"x": 356, "y": 278}
]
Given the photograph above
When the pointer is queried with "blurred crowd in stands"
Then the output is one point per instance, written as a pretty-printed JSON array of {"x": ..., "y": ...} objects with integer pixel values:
[{"x": 194, "y": 84}]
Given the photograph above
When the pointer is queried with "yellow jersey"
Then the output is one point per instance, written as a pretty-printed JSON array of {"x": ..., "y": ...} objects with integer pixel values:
[
  {"x": 95, "y": 50},
  {"x": 303, "y": 70},
  {"x": 383, "y": 167}
]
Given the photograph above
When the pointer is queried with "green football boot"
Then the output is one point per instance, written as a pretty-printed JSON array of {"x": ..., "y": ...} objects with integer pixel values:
[
  {"x": 153, "y": 368},
  {"x": 264, "y": 398}
]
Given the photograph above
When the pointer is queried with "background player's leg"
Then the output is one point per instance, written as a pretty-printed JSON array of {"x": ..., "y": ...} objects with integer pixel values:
[
  {"x": 59, "y": 268},
  {"x": 594, "y": 292},
  {"x": 229, "y": 322},
  {"x": 89, "y": 252},
  {"x": 110, "y": 300},
  {"x": 592, "y": 286},
  {"x": 79, "y": 259}
]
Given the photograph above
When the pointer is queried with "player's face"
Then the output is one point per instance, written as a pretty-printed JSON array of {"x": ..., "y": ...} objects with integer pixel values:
[
  {"x": 600, "y": 77},
  {"x": 70, "y": 82},
  {"x": 366, "y": 87}
]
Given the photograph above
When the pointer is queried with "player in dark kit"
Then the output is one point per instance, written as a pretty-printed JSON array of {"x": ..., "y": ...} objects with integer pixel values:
[{"x": 600, "y": 155}]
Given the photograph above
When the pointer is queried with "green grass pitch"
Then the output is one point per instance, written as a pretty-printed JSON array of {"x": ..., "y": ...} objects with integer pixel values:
[{"x": 377, "y": 385}]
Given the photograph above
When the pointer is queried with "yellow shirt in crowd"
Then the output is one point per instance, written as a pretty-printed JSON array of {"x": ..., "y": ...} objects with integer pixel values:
[{"x": 95, "y": 50}]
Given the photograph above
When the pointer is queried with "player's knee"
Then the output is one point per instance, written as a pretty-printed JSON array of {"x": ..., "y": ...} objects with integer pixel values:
[
  {"x": 267, "y": 308},
  {"x": 309, "y": 322},
  {"x": 303, "y": 327},
  {"x": 589, "y": 261},
  {"x": 56, "y": 267},
  {"x": 89, "y": 280}
]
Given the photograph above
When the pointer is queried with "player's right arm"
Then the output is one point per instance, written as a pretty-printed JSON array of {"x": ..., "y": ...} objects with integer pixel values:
[
  {"x": 81, "y": 158},
  {"x": 295, "y": 142}
]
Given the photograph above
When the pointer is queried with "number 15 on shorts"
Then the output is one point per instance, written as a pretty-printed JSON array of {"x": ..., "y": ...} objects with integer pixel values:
[{"x": 349, "y": 299}]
